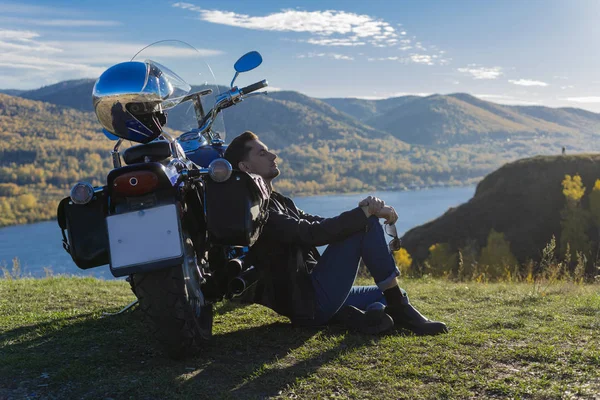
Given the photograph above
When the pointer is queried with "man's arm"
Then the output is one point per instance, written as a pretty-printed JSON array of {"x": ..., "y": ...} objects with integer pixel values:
[
  {"x": 289, "y": 229},
  {"x": 310, "y": 217},
  {"x": 303, "y": 215}
]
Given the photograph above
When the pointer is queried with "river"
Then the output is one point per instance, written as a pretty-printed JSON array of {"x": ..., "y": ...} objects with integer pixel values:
[{"x": 38, "y": 247}]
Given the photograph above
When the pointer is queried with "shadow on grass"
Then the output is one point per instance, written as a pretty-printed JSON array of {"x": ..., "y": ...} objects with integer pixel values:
[
  {"x": 84, "y": 356},
  {"x": 261, "y": 362}
]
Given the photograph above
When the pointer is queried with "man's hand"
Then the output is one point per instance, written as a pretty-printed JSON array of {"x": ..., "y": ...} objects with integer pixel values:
[
  {"x": 389, "y": 214},
  {"x": 371, "y": 205}
]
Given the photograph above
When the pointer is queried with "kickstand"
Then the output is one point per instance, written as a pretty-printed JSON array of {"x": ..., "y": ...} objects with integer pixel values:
[{"x": 127, "y": 307}]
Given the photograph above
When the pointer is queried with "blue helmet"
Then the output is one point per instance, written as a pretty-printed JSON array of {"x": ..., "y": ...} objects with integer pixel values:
[{"x": 130, "y": 98}]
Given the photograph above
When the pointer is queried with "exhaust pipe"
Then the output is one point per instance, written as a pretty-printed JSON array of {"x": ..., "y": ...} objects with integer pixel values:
[
  {"x": 244, "y": 281},
  {"x": 234, "y": 267}
]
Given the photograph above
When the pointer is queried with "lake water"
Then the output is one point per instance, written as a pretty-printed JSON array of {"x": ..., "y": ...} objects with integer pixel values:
[{"x": 39, "y": 246}]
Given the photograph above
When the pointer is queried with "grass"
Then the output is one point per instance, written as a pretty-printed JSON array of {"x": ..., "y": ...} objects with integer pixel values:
[{"x": 506, "y": 341}]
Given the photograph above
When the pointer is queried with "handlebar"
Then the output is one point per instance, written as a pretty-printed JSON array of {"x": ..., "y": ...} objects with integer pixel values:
[
  {"x": 254, "y": 87},
  {"x": 225, "y": 100}
]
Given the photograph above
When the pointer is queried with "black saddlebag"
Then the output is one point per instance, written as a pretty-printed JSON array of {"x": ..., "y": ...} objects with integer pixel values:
[
  {"x": 236, "y": 209},
  {"x": 86, "y": 238}
]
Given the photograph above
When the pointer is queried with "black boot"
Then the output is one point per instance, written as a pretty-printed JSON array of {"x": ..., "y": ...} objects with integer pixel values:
[
  {"x": 373, "y": 321},
  {"x": 407, "y": 317}
]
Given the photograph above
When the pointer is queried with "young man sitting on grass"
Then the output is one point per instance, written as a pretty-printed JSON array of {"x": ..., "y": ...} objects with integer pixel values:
[{"x": 313, "y": 289}]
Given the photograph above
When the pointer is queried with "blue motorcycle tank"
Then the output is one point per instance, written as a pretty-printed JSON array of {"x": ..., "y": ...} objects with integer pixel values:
[{"x": 203, "y": 155}]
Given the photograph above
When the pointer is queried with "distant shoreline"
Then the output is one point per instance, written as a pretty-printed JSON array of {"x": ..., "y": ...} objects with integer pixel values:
[{"x": 413, "y": 189}]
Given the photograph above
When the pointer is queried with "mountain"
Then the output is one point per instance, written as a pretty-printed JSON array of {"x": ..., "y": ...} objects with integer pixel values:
[
  {"x": 12, "y": 92},
  {"x": 44, "y": 150},
  {"x": 364, "y": 110},
  {"x": 523, "y": 200},
  {"x": 461, "y": 118},
  {"x": 76, "y": 94},
  {"x": 440, "y": 120},
  {"x": 284, "y": 118},
  {"x": 396, "y": 143}
]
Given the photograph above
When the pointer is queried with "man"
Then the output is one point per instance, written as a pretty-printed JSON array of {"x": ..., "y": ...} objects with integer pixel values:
[{"x": 313, "y": 289}]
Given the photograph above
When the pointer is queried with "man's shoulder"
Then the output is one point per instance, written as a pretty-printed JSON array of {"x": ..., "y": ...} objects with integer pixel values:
[
  {"x": 281, "y": 198},
  {"x": 282, "y": 204}
]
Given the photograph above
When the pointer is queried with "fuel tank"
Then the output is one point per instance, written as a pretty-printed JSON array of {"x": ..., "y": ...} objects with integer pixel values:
[{"x": 199, "y": 150}]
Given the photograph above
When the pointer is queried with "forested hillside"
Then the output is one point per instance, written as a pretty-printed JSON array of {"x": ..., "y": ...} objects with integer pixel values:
[
  {"x": 324, "y": 146},
  {"x": 44, "y": 149}
]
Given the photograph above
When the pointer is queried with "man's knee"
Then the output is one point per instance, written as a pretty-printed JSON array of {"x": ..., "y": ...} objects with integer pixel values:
[{"x": 373, "y": 223}]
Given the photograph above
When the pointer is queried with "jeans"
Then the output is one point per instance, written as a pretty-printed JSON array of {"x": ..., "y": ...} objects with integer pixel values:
[{"x": 336, "y": 270}]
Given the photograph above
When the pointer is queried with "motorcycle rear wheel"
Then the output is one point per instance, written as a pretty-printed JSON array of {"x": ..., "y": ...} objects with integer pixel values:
[{"x": 175, "y": 317}]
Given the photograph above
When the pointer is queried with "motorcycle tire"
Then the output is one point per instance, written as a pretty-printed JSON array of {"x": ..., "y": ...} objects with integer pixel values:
[{"x": 176, "y": 320}]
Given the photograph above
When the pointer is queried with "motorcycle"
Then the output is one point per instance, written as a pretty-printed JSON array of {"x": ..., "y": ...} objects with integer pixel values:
[{"x": 174, "y": 217}]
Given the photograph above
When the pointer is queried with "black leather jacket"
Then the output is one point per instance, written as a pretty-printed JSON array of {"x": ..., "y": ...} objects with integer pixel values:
[{"x": 285, "y": 255}]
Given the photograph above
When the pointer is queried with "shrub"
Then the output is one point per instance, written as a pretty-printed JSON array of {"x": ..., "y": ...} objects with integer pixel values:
[
  {"x": 442, "y": 260},
  {"x": 575, "y": 220},
  {"x": 403, "y": 260},
  {"x": 497, "y": 256}
]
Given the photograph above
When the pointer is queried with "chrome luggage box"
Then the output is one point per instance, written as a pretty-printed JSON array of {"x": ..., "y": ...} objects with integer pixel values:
[{"x": 145, "y": 240}]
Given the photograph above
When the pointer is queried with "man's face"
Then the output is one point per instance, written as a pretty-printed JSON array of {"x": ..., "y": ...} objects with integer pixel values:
[{"x": 260, "y": 161}]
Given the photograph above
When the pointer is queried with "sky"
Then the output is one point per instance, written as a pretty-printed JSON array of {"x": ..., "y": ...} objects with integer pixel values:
[{"x": 510, "y": 52}]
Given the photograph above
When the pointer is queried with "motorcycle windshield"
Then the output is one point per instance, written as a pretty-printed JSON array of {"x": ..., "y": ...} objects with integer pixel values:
[
  {"x": 170, "y": 86},
  {"x": 183, "y": 71}
]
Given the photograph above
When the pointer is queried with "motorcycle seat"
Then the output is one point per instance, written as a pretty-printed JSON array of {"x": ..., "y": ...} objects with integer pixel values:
[{"x": 156, "y": 151}]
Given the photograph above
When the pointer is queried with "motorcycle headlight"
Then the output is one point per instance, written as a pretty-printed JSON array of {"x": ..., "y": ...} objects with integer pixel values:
[
  {"x": 82, "y": 193},
  {"x": 219, "y": 170}
]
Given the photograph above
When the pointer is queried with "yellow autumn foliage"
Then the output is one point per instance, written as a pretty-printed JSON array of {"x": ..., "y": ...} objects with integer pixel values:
[
  {"x": 441, "y": 260},
  {"x": 496, "y": 256},
  {"x": 573, "y": 188},
  {"x": 403, "y": 260}
]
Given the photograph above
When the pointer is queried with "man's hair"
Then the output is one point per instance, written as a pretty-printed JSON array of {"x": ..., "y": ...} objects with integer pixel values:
[{"x": 238, "y": 149}]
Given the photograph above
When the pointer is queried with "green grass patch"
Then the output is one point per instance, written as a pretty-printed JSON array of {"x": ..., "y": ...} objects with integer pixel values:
[{"x": 505, "y": 341}]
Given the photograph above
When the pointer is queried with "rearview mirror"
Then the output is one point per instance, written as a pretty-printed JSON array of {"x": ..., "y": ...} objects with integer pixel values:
[{"x": 246, "y": 63}]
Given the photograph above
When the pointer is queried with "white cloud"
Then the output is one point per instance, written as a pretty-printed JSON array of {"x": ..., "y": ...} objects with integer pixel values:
[
  {"x": 339, "y": 27},
  {"x": 424, "y": 59},
  {"x": 64, "y": 17},
  {"x": 390, "y": 95},
  {"x": 328, "y": 28},
  {"x": 506, "y": 100},
  {"x": 8, "y": 34},
  {"x": 67, "y": 23},
  {"x": 478, "y": 72},
  {"x": 391, "y": 58},
  {"x": 319, "y": 22},
  {"x": 527, "y": 82},
  {"x": 493, "y": 96},
  {"x": 335, "y": 42},
  {"x": 30, "y": 60},
  {"x": 419, "y": 46},
  {"x": 7, "y": 48},
  {"x": 421, "y": 59},
  {"x": 341, "y": 57},
  {"x": 585, "y": 99},
  {"x": 328, "y": 55},
  {"x": 19, "y": 8}
]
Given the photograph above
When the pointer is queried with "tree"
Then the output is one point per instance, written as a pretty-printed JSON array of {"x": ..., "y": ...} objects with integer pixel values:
[
  {"x": 573, "y": 189},
  {"x": 575, "y": 220},
  {"x": 594, "y": 200},
  {"x": 442, "y": 259},
  {"x": 496, "y": 255}
]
